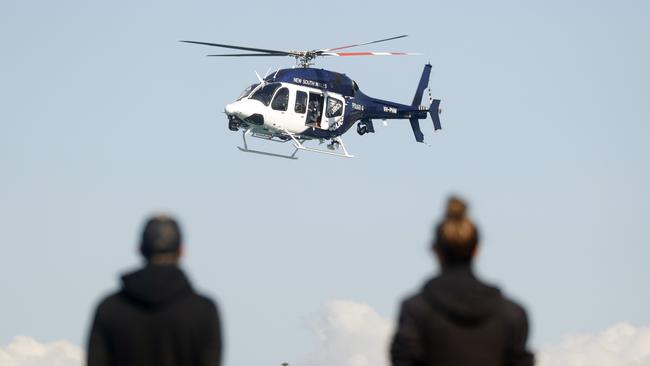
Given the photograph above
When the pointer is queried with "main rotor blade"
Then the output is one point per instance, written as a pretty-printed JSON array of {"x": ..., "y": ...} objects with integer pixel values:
[
  {"x": 236, "y": 47},
  {"x": 370, "y": 54},
  {"x": 248, "y": 54},
  {"x": 361, "y": 44}
]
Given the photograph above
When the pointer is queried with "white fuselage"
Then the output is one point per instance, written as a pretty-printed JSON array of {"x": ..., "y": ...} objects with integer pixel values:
[{"x": 287, "y": 107}]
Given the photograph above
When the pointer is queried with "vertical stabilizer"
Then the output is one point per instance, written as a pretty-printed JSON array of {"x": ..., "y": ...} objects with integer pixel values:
[{"x": 424, "y": 82}]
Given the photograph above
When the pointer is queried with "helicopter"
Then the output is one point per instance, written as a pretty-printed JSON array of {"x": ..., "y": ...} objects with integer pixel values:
[{"x": 302, "y": 103}]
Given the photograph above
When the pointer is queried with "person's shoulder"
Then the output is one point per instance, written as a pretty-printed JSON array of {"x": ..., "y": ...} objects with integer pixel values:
[
  {"x": 417, "y": 298},
  {"x": 109, "y": 298},
  {"x": 108, "y": 303},
  {"x": 412, "y": 299},
  {"x": 203, "y": 301},
  {"x": 414, "y": 304},
  {"x": 514, "y": 312}
]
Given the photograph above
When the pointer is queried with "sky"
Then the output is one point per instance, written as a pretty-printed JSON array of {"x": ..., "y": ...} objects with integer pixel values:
[{"x": 105, "y": 118}]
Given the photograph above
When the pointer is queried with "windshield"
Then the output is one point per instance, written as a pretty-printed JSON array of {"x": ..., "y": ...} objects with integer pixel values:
[
  {"x": 265, "y": 93},
  {"x": 247, "y": 91}
]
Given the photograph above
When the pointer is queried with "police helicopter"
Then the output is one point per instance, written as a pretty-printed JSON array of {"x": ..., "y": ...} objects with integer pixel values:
[{"x": 302, "y": 103}]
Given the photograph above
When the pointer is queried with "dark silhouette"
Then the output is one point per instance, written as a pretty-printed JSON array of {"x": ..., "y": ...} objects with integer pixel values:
[
  {"x": 156, "y": 318},
  {"x": 456, "y": 319}
]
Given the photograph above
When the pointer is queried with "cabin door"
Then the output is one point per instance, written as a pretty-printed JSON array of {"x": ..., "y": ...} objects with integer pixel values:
[{"x": 315, "y": 110}]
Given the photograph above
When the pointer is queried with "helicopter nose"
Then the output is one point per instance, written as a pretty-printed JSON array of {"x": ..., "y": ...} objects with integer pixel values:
[{"x": 230, "y": 109}]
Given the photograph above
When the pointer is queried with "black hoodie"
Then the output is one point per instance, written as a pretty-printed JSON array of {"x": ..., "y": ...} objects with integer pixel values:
[
  {"x": 155, "y": 319},
  {"x": 457, "y": 320}
]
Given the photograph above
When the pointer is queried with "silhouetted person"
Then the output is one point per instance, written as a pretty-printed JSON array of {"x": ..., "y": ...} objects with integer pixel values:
[
  {"x": 456, "y": 319},
  {"x": 156, "y": 318}
]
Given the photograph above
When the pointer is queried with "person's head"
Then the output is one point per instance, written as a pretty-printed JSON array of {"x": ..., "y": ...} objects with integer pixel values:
[
  {"x": 161, "y": 240},
  {"x": 456, "y": 237}
]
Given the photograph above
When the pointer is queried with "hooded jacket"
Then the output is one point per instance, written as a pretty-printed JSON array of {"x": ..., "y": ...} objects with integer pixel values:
[
  {"x": 456, "y": 320},
  {"x": 155, "y": 319}
]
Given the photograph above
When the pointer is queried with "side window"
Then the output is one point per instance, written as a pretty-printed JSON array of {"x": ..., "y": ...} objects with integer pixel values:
[
  {"x": 265, "y": 93},
  {"x": 334, "y": 107},
  {"x": 281, "y": 100},
  {"x": 301, "y": 102}
]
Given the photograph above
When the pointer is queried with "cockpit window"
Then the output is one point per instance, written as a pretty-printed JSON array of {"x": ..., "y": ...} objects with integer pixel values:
[
  {"x": 265, "y": 93},
  {"x": 281, "y": 100},
  {"x": 334, "y": 107},
  {"x": 247, "y": 91}
]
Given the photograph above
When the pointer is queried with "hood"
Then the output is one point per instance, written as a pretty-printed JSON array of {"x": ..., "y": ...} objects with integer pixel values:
[
  {"x": 461, "y": 296},
  {"x": 156, "y": 285}
]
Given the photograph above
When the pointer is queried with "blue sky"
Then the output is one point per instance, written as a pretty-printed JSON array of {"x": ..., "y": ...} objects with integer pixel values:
[{"x": 105, "y": 118}]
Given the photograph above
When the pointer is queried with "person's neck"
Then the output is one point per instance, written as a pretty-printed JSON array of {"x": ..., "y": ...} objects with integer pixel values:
[
  {"x": 456, "y": 267},
  {"x": 163, "y": 260}
]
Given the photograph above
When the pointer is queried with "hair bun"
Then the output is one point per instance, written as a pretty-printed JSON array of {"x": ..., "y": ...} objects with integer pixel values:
[{"x": 456, "y": 208}]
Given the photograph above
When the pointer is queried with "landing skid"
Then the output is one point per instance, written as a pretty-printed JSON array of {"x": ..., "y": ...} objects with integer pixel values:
[
  {"x": 268, "y": 138},
  {"x": 336, "y": 142},
  {"x": 297, "y": 144}
]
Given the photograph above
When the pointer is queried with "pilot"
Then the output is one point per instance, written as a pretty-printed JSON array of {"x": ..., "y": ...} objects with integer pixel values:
[{"x": 282, "y": 100}]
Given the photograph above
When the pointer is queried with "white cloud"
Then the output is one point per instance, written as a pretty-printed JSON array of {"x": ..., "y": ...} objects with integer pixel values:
[
  {"x": 622, "y": 344},
  {"x": 354, "y": 334},
  {"x": 350, "y": 334},
  {"x": 25, "y": 351}
]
